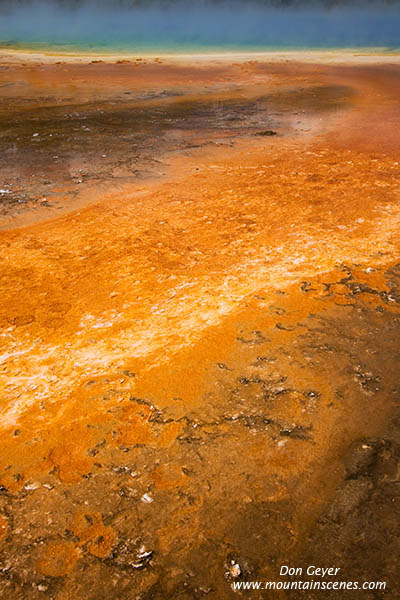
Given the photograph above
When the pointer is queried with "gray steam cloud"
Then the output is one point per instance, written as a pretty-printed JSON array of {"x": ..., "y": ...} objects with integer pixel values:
[{"x": 178, "y": 24}]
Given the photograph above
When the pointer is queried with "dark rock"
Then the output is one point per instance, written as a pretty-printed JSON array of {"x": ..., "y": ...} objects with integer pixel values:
[
  {"x": 360, "y": 458},
  {"x": 267, "y": 133}
]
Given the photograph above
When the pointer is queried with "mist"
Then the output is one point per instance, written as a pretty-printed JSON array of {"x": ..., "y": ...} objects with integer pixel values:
[{"x": 184, "y": 24}]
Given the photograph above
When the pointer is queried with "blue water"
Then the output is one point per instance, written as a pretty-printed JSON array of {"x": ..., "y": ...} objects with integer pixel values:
[{"x": 181, "y": 28}]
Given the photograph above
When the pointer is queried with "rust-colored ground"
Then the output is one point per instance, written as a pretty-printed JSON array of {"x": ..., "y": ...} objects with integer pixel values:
[{"x": 200, "y": 327}]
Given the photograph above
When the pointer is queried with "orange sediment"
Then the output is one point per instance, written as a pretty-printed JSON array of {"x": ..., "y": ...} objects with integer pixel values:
[{"x": 191, "y": 331}]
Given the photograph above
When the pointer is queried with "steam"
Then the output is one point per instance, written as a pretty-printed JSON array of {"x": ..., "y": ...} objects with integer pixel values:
[{"x": 185, "y": 24}]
